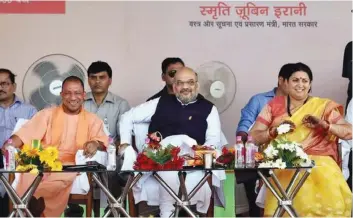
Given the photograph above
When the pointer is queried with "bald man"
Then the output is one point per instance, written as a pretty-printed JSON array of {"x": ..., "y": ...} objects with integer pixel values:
[{"x": 186, "y": 113}]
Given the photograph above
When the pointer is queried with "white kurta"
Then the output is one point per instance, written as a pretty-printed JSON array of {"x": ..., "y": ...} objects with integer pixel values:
[{"x": 147, "y": 187}]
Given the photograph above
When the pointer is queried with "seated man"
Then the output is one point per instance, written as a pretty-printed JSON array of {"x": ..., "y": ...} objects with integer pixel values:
[
  {"x": 70, "y": 128},
  {"x": 186, "y": 113},
  {"x": 12, "y": 109}
]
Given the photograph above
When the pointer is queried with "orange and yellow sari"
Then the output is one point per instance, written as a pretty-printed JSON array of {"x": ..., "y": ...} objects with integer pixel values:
[{"x": 325, "y": 192}]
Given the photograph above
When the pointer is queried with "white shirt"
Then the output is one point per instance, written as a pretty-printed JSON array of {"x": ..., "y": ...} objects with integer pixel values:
[
  {"x": 347, "y": 144},
  {"x": 144, "y": 112}
]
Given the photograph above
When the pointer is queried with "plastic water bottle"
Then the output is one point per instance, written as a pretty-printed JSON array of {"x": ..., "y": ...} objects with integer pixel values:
[
  {"x": 239, "y": 153},
  {"x": 251, "y": 149},
  {"x": 10, "y": 160},
  {"x": 111, "y": 150}
]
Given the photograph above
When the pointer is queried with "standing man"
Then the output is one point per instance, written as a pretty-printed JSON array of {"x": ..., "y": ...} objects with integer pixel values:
[
  {"x": 68, "y": 127},
  {"x": 248, "y": 116},
  {"x": 109, "y": 108},
  {"x": 169, "y": 67},
  {"x": 11, "y": 110},
  {"x": 347, "y": 73},
  {"x": 347, "y": 69}
]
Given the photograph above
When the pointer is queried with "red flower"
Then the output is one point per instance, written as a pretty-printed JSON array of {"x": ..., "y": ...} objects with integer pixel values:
[
  {"x": 225, "y": 158},
  {"x": 153, "y": 141},
  {"x": 224, "y": 150},
  {"x": 175, "y": 151},
  {"x": 143, "y": 162}
]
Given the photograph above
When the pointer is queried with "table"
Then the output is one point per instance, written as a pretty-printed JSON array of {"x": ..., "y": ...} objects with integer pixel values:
[
  {"x": 20, "y": 205},
  {"x": 183, "y": 199},
  {"x": 284, "y": 196}
]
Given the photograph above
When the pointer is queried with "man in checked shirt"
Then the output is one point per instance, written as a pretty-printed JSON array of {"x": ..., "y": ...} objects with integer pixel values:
[{"x": 12, "y": 109}]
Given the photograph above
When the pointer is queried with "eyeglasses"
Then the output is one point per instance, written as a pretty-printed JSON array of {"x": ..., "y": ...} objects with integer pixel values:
[
  {"x": 172, "y": 73},
  {"x": 5, "y": 85},
  {"x": 189, "y": 83}
]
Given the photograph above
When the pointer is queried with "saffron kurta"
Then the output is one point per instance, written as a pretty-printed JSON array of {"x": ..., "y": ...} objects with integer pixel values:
[{"x": 68, "y": 133}]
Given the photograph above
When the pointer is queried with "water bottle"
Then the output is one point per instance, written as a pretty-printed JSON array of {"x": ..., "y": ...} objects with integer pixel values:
[
  {"x": 239, "y": 153},
  {"x": 10, "y": 154},
  {"x": 111, "y": 150},
  {"x": 250, "y": 150}
]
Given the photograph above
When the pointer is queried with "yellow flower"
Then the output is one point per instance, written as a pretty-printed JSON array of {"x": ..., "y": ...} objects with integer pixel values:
[
  {"x": 44, "y": 156},
  {"x": 32, "y": 152},
  {"x": 25, "y": 148},
  {"x": 48, "y": 155},
  {"x": 34, "y": 171},
  {"x": 57, "y": 166},
  {"x": 52, "y": 152},
  {"x": 20, "y": 168}
]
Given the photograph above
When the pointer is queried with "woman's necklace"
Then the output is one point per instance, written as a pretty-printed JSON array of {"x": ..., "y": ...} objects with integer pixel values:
[{"x": 288, "y": 104}]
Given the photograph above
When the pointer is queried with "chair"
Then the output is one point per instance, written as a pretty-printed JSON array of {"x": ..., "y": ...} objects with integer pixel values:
[{"x": 86, "y": 200}]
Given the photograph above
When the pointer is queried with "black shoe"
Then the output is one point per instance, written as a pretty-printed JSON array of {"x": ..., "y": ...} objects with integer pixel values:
[
  {"x": 74, "y": 210},
  {"x": 36, "y": 206}
]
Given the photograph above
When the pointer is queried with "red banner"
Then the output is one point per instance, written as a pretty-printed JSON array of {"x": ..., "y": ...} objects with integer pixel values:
[{"x": 32, "y": 7}]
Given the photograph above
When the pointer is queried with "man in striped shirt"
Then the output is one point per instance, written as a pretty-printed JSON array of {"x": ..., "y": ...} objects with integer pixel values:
[{"x": 11, "y": 110}]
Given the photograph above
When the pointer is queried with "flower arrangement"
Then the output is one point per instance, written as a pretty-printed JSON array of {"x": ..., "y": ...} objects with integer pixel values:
[
  {"x": 282, "y": 153},
  {"x": 227, "y": 158},
  {"x": 154, "y": 157},
  {"x": 34, "y": 158}
]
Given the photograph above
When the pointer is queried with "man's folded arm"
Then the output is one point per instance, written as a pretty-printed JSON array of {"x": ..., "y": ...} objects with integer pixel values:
[{"x": 140, "y": 114}]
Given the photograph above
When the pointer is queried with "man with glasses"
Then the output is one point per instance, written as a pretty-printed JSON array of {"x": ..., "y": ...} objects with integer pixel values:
[
  {"x": 169, "y": 67},
  {"x": 186, "y": 112},
  {"x": 11, "y": 110}
]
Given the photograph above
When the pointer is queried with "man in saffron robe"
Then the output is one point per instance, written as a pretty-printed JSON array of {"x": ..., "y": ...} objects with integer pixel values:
[{"x": 69, "y": 128}]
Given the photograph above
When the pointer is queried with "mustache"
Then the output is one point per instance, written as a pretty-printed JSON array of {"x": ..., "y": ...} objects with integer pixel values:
[{"x": 185, "y": 90}]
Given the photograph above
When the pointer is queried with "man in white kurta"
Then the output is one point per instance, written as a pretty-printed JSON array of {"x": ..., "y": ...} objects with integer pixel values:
[{"x": 186, "y": 113}]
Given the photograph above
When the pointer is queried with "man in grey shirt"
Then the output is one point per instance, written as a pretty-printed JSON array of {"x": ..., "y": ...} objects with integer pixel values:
[{"x": 109, "y": 108}]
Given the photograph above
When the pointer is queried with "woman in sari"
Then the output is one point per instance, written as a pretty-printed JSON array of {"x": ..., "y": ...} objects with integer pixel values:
[{"x": 316, "y": 124}]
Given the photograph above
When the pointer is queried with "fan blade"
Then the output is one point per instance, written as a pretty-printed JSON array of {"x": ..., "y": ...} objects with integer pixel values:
[
  {"x": 76, "y": 71},
  {"x": 39, "y": 101},
  {"x": 46, "y": 70}
]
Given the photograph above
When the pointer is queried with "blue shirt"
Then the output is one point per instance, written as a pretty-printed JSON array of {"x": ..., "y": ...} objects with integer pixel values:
[
  {"x": 10, "y": 115},
  {"x": 250, "y": 112}
]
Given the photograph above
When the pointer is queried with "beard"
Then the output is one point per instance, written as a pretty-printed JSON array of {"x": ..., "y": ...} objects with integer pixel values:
[{"x": 186, "y": 99}]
